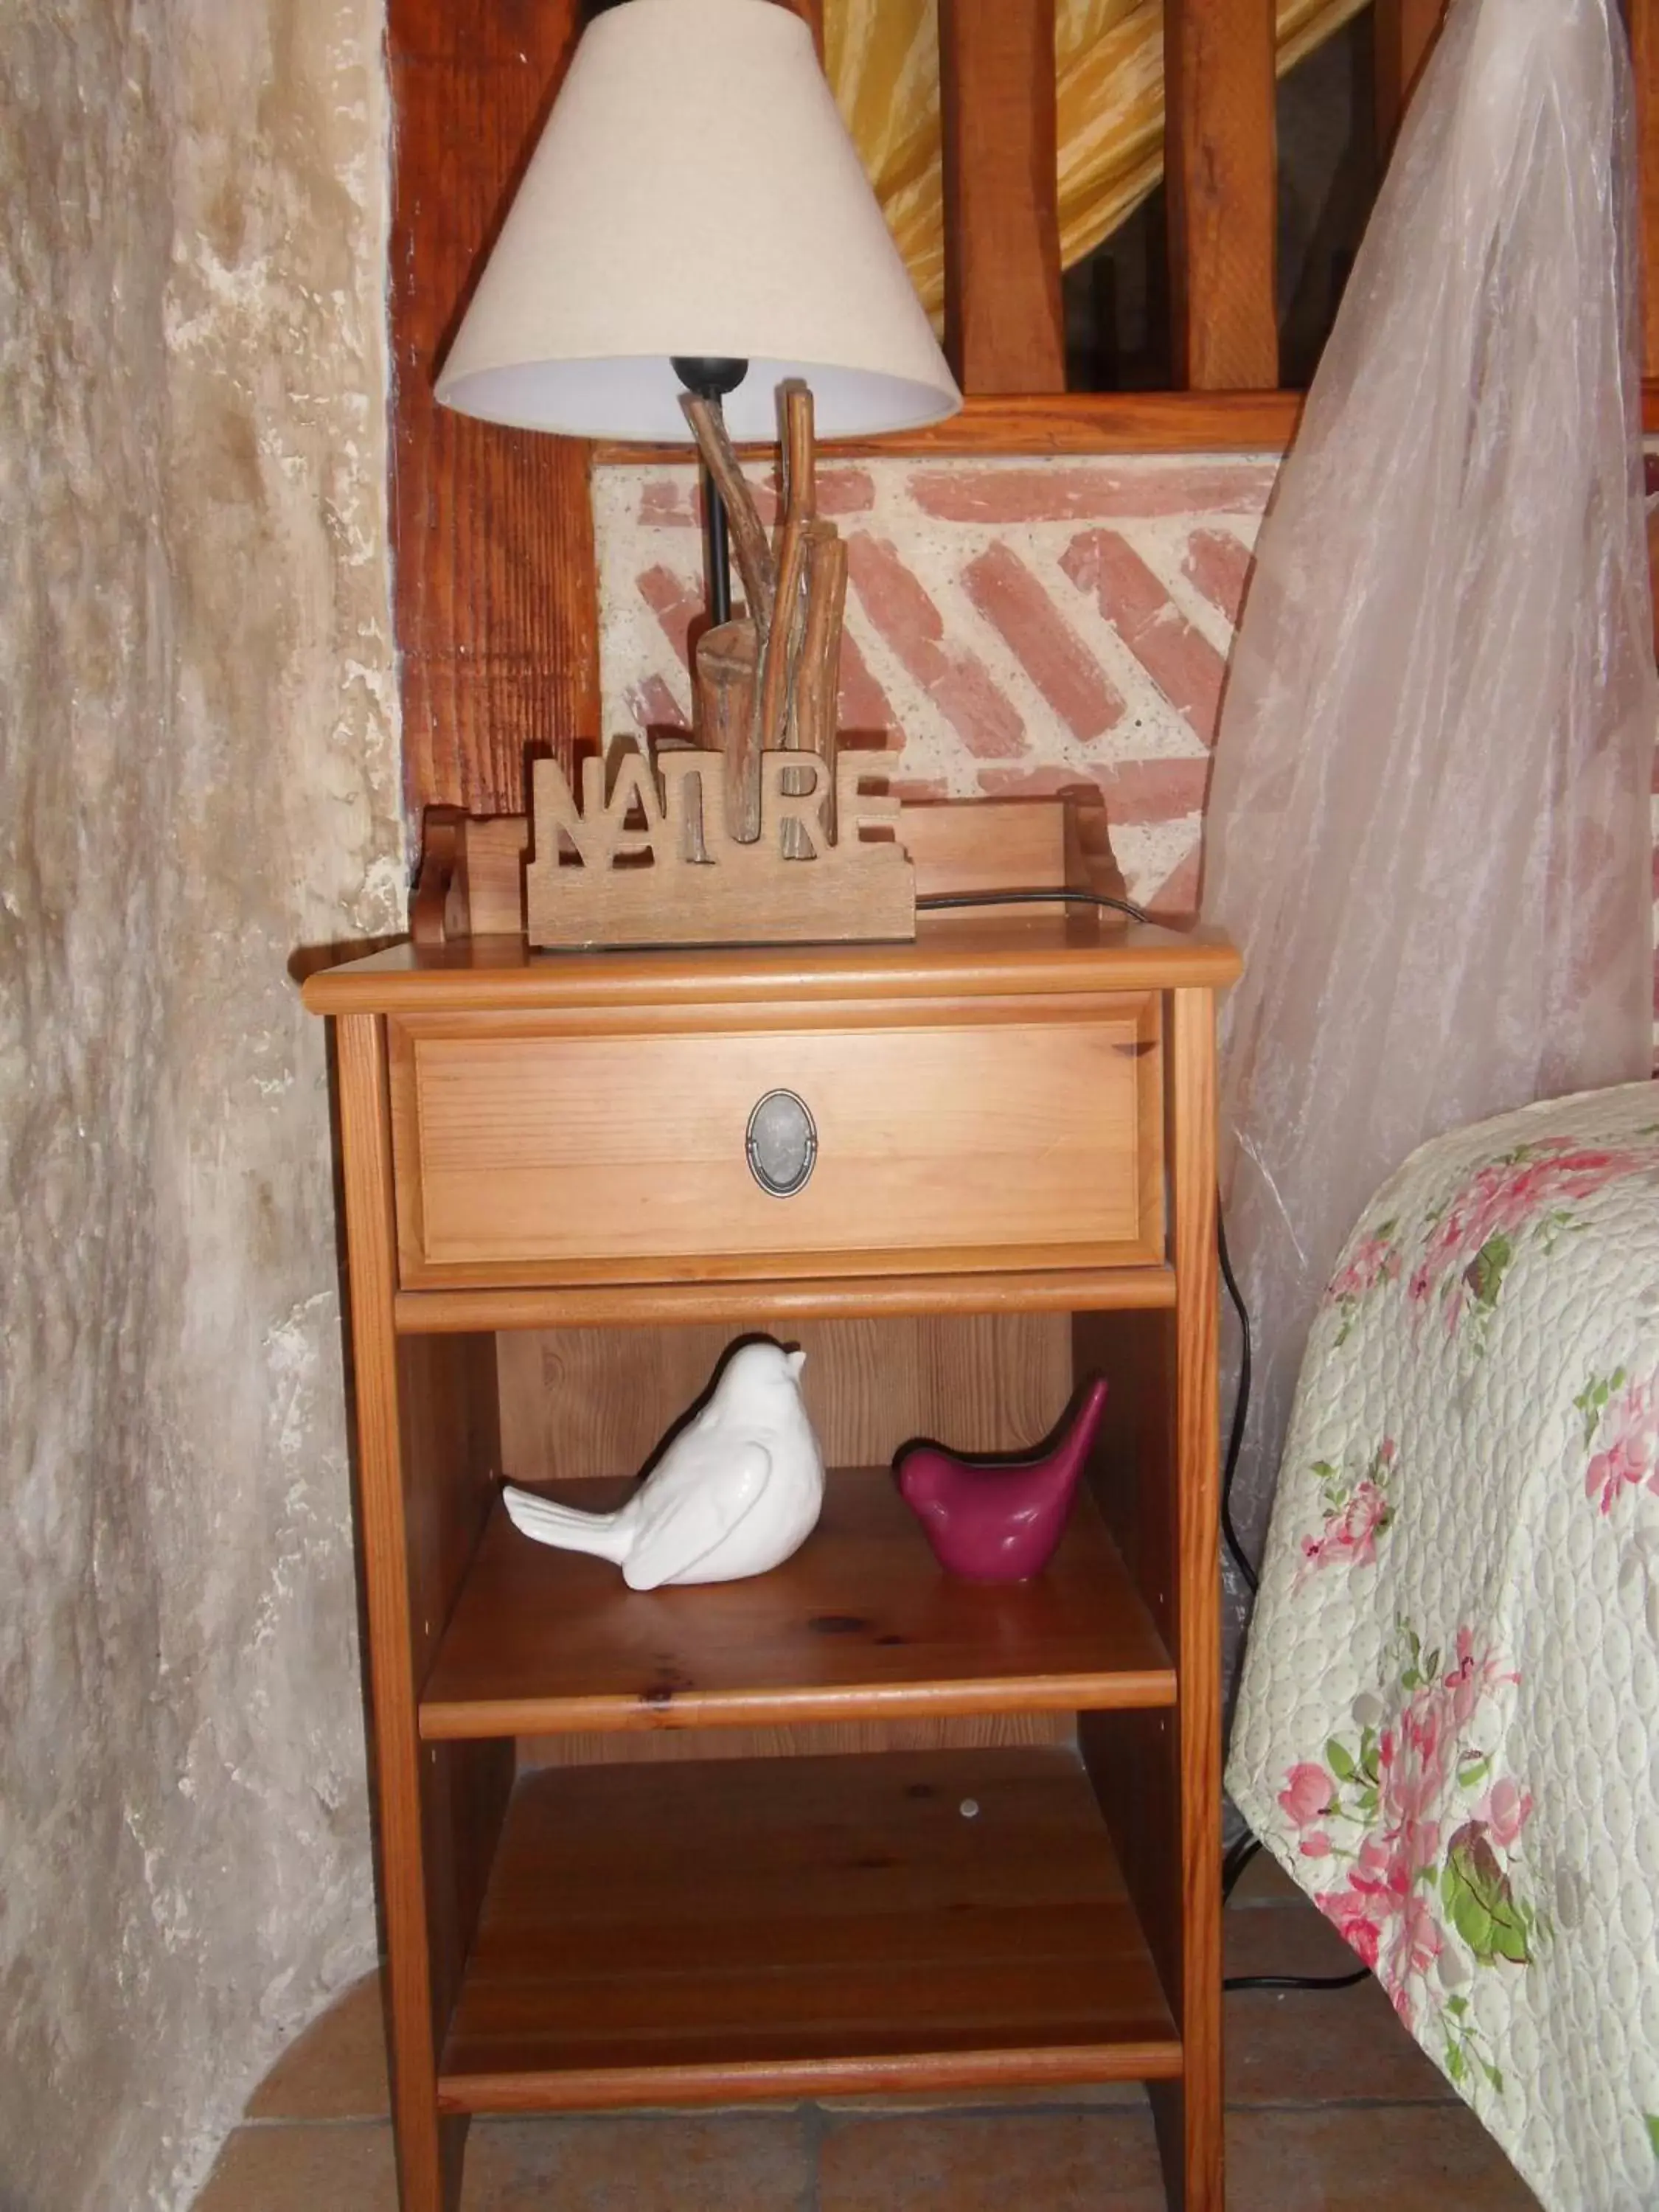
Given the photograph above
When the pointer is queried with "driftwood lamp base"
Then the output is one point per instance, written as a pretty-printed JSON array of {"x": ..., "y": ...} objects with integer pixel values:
[{"x": 756, "y": 833}]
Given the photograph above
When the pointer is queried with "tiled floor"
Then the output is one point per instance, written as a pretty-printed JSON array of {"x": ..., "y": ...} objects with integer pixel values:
[{"x": 1331, "y": 2108}]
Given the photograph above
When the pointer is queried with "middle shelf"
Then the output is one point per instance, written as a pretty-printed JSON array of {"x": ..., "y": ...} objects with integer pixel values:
[{"x": 862, "y": 1623}]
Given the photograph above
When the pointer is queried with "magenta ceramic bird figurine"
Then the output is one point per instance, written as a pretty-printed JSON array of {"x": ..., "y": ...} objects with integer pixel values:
[{"x": 998, "y": 1520}]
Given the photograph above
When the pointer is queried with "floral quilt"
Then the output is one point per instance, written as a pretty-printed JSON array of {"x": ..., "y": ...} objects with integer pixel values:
[{"x": 1448, "y": 1728}]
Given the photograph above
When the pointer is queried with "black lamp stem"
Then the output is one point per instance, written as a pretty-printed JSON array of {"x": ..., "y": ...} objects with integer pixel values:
[
  {"x": 711, "y": 378},
  {"x": 716, "y": 560}
]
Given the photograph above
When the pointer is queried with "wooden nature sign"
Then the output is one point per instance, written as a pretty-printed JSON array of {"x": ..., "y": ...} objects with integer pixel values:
[
  {"x": 649, "y": 858},
  {"x": 757, "y": 833}
]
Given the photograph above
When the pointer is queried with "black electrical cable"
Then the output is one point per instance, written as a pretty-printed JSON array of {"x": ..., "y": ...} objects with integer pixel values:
[
  {"x": 1241, "y": 1408},
  {"x": 935, "y": 902},
  {"x": 1245, "y": 1847}
]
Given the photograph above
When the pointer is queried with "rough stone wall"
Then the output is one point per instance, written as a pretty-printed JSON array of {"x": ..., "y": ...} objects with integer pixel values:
[{"x": 197, "y": 775}]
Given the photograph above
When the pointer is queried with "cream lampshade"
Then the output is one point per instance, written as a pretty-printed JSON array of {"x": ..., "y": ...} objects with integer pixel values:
[{"x": 694, "y": 197}]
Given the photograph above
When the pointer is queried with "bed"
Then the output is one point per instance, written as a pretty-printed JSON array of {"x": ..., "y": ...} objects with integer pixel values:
[{"x": 1448, "y": 1727}]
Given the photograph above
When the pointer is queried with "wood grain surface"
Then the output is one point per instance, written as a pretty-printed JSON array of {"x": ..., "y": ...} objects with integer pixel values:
[
  {"x": 740, "y": 1930},
  {"x": 802, "y": 1740},
  {"x": 776, "y": 1303},
  {"x": 1403, "y": 32},
  {"x": 662, "y": 1929},
  {"x": 1220, "y": 175},
  {"x": 1005, "y": 327},
  {"x": 496, "y": 593},
  {"x": 860, "y": 1625},
  {"x": 1157, "y": 1775},
  {"x": 1038, "y": 951},
  {"x": 597, "y": 1401},
  {"x": 554, "y": 1154},
  {"x": 427, "y": 1452},
  {"x": 1076, "y": 422}
]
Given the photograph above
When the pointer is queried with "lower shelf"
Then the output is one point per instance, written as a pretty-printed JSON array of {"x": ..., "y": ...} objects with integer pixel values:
[{"x": 750, "y": 1929}]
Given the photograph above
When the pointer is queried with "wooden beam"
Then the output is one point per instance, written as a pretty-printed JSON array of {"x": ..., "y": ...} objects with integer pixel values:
[
  {"x": 1004, "y": 326},
  {"x": 1644, "y": 55},
  {"x": 1219, "y": 170},
  {"x": 1404, "y": 31},
  {"x": 496, "y": 594},
  {"x": 1064, "y": 422}
]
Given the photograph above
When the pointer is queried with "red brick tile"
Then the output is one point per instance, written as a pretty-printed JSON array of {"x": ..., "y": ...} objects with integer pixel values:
[
  {"x": 839, "y": 491},
  {"x": 669, "y": 503},
  {"x": 863, "y": 704},
  {"x": 1049, "y": 650},
  {"x": 675, "y": 502},
  {"x": 1050, "y": 492},
  {"x": 625, "y": 2162},
  {"x": 1176, "y": 898},
  {"x": 1314, "y": 2046},
  {"x": 956, "y": 681},
  {"x": 1103, "y": 2161},
  {"x": 337, "y": 2069},
  {"x": 675, "y": 603},
  {"x": 653, "y": 706},
  {"x": 1219, "y": 565},
  {"x": 1030, "y": 782},
  {"x": 340, "y": 2168},
  {"x": 1185, "y": 666},
  {"x": 1135, "y": 791},
  {"x": 1378, "y": 2159}
]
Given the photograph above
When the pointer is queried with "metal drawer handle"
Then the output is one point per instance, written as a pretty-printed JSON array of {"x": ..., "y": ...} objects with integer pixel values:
[{"x": 782, "y": 1142}]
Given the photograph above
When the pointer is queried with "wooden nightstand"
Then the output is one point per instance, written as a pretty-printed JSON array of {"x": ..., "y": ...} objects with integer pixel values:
[{"x": 973, "y": 1838}]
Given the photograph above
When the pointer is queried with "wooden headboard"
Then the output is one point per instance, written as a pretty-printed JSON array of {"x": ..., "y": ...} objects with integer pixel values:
[{"x": 496, "y": 604}]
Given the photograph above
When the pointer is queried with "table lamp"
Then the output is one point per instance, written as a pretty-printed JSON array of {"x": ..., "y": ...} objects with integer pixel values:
[
  {"x": 695, "y": 252},
  {"x": 694, "y": 217}
]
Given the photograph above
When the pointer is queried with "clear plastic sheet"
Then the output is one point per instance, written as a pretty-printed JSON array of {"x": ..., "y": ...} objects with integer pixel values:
[{"x": 1429, "y": 818}]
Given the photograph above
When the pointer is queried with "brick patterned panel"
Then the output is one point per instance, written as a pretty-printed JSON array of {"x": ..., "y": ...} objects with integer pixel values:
[{"x": 1012, "y": 625}]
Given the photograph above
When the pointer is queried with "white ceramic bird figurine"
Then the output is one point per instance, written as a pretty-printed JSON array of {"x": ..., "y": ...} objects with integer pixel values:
[{"x": 736, "y": 1491}]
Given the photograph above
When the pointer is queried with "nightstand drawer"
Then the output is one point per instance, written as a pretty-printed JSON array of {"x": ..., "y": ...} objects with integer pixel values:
[{"x": 1015, "y": 1133}]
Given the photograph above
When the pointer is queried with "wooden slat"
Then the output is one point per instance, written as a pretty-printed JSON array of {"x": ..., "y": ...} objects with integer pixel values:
[
  {"x": 1643, "y": 17},
  {"x": 749, "y": 1929},
  {"x": 425, "y": 1453},
  {"x": 1005, "y": 328},
  {"x": 492, "y": 529},
  {"x": 1156, "y": 1480},
  {"x": 1403, "y": 32},
  {"x": 813, "y": 1740},
  {"x": 1219, "y": 171},
  {"x": 862, "y": 1623},
  {"x": 597, "y": 1401},
  {"x": 778, "y": 1304},
  {"x": 1035, "y": 954},
  {"x": 1076, "y": 422},
  {"x": 1190, "y": 2126}
]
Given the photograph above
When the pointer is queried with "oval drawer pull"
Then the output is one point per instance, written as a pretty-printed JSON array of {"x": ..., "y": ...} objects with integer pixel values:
[{"x": 781, "y": 1143}]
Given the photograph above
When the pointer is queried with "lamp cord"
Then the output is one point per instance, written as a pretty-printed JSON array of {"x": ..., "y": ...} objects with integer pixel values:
[{"x": 1245, "y": 1847}]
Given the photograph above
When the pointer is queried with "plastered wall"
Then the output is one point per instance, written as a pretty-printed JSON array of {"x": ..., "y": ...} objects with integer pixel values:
[{"x": 197, "y": 775}]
